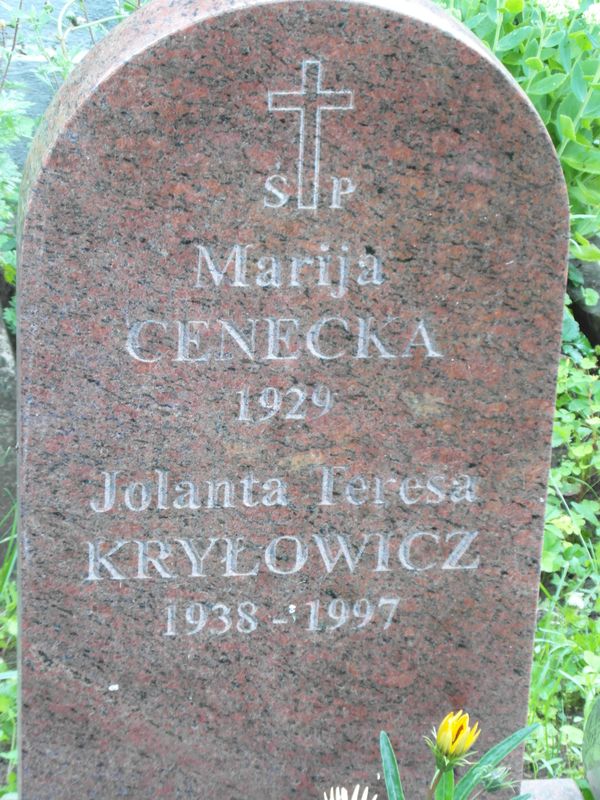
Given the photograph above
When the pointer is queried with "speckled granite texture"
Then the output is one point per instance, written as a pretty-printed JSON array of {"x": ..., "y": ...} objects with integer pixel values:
[
  {"x": 291, "y": 287},
  {"x": 555, "y": 789}
]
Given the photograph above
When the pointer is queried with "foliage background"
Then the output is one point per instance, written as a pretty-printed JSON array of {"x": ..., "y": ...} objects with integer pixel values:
[{"x": 552, "y": 48}]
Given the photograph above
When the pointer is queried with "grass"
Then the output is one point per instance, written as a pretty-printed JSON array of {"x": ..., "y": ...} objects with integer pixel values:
[
  {"x": 566, "y": 667},
  {"x": 8, "y": 671}
]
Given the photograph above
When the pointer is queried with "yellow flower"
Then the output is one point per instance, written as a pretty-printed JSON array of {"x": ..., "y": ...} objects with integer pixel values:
[{"x": 455, "y": 737}]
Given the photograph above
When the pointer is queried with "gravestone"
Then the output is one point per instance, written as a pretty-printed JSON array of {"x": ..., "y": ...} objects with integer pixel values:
[{"x": 291, "y": 291}]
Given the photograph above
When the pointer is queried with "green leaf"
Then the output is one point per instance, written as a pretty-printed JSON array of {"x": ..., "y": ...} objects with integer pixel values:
[
  {"x": 564, "y": 54},
  {"x": 588, "y": 192},
  {"x": 578, "y": 84},
  {"x": 592, "y": 107},
  {"x": 554, "y": 39},
  {"x": 513, "y": 38},
  {"x": 491, "y": 759},
  {"x": 473, "y": 22},
  {"x": 547, "y": 84},
  {"x": 585, "y": 159},
  {"x": 590, "y": 296},
  {"x": 567, "y": 128},
  {"x": 570, "y": 329},
  {"x": 570, "y": 106},
  {"x": 569, "y": 734},
  {"x": 445, "y": 788},
  {"x": 584, "y": 250},
  {"x": 514, "y": 6},
  {"x": 535, "y": 63},
  {"x": 390, "y": 768},
  {"x": 492, "y": 10},
  {"x": 582, "y": 40}
]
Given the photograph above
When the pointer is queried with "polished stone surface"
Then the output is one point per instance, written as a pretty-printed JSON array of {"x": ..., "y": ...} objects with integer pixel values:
[
  {"x": 552, "y": 789},
  {"x": 291, "y": 293}
]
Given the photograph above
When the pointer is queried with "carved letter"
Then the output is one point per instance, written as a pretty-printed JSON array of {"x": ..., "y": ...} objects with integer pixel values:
[
  {"x": 383, "y": 552},
  {"x": 277, "y": 337},
  {"x": 312, "y": 338},
  {"x": 299, "y": 560},
  {"x": 196, "y": 560},
  {"x": 371, "y": 271},
  {"x": 145, "y": 496},
  {"x": 366, "y": 335},
  {"x": 426, "y": 341},
  {"x": 247, "y": 347},
  {"x": 461, "y": 548},
  {"x": 234, "y": 548},
  {"x": 463, "y": 488},
  {"x": 238, "y": 256},
  {"x": 404, "y": 554},
  {"x": 341, "y": 186},
  {"x": 96, "y": 561},
  {"x": 145, "y": 559},
  {"x": 282, "y": 197},
  {"x": 110, "y": 491},
  {"x": 189, "y": 335},
  {"x": 275, "y": 492},
  {"x": 330, "y": 560},
  {"x": 213, "y": 494},
  {"x": 187, "y": 496},
  {"x": 327, "y": 485},
  {"x": 133, "y": 340}
]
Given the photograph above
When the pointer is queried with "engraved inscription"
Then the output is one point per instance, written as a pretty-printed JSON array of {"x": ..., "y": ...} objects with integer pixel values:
[
  {"x": 295, "y": 403},
  {"x": 350, "y": 327},
  {"x": 329, "y": 552},
  {"x": 161, "y": 493},
  {"x": 329, "y": 338},
  {"x": 331, "y": 268},
  {"x": 309, "y": 102},
  {"x": 215, "y": 619},
  {"x": 331, "y": 486}
]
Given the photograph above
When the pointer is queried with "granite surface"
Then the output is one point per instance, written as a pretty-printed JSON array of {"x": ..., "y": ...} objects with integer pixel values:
[
  {"x": 552, "y": 789},
  {"x": 291, "y": 281}
]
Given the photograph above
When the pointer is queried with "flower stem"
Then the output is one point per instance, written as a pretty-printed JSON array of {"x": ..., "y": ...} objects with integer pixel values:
[
  {"x": 13, "y": 46},
  {"x": 433, "y": 786}
]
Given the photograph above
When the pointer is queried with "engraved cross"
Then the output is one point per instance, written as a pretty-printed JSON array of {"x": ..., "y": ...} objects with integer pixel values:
[{"x": 310, "y": 101}]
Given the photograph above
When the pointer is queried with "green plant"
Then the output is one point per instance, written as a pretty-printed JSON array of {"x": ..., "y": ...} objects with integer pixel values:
[
  {"x": 551, "y": 49},
  {"x": 8, "y": 672},
  {"x": 15, "y": 125},
  {"x": 453, "y": 741},
  {"x": 566, "y": 668}
]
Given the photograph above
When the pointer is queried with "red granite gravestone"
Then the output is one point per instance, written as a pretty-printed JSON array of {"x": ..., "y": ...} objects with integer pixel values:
[{"x": 291, "y": 290}]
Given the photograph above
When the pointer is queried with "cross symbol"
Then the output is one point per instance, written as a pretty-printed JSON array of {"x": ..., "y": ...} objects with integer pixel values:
[{"x": 310, "y": 101}]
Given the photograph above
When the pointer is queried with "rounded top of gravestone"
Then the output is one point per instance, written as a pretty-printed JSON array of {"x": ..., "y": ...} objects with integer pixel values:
[{"x": 430, "y": 38}]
